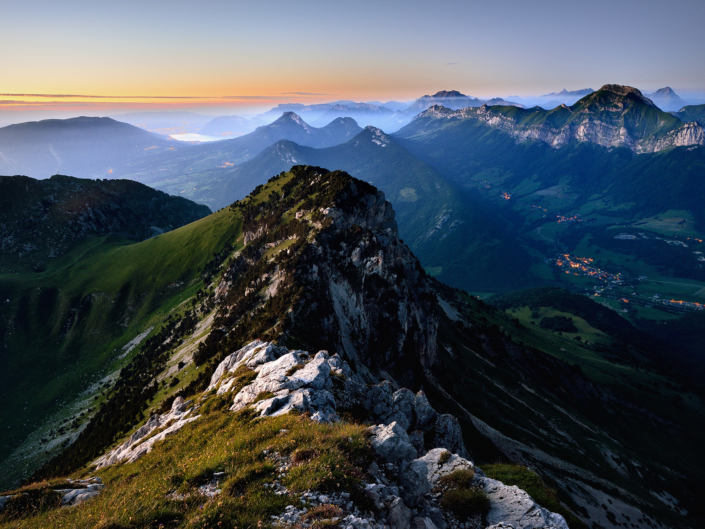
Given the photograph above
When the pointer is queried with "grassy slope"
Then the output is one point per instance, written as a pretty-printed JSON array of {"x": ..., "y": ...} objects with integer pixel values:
[
  {"x": 136, "y": 493},
  {"x": 329, "y": 458},
  {"x": 67, "y": 325}
]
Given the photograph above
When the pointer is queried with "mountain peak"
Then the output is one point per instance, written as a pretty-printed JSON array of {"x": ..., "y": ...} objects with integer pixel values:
[
  {"x": 376, "y": 136},
  {"x": 667, "y": 99},
  {"x": 665, "y": 91},
  {"x": 623, "y": 90},
  {"x": 343, "y": 120},
  {"x": 291, "y": 116},
  {"x": 448, "y": 93}
]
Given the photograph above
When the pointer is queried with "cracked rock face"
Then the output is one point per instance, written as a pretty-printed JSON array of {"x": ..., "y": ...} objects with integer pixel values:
[{"x": 290, "y": 380}]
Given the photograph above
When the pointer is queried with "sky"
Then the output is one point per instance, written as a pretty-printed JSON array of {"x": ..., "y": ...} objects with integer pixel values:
[{"x": 97, "y": 57}]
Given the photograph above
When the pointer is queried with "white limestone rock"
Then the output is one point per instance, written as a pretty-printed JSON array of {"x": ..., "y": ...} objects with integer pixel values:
[
  {"x": 513, "y": 506},
  {"x": 294, "y": 381},
  {"x": 78, "y": 496},
  {"x": 136, "y": 445},
  {"x": 424, "y": 473},
  {"x": 391, "y": 443}
]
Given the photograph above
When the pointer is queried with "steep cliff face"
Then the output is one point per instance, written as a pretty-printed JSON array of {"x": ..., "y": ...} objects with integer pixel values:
[
  {"x": 614, "y": 116},
  {"x": 356, "y": 283}
]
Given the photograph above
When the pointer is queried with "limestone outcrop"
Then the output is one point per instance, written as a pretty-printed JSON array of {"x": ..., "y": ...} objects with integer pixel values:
[
  {"x": 157, "y": 428},
  {"x": 405, "y": 483}
]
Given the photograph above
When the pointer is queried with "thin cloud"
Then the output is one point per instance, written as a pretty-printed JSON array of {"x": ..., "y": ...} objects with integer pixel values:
[
  {"x": 84, "y": 96},
  {"x": 304, "y": 94},
  {"x": 106, "y": 97}
]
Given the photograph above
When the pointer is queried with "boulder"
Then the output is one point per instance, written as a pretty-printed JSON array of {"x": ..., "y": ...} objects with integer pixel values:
[
  {"x": 398, "y": 514},
  {"x": 252, "y": 355},
  {"x": 3, "y": 501},
  {"x": 379, "y": 400},
  {"x": 513, "y": 506},
  {"x": 448, "y": 435},
  {"x": 320, "y": 403},
  {"x": 403, "y": 408},
  {"x": 339, "y": 366},
  {"x": 316, "y": 373},
  {"x": 416, "y": 440},
  {"x": 78, "y": 496},
  {"x": 424, "y": 473},
  {"x": 425, "y": 414},
  {"x": 391, "y": 443}
]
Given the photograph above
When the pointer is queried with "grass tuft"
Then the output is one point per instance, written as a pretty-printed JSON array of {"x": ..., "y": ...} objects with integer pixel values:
[
  {"x": 460, "y": 479},
  {"x": 464, "y": 503}
]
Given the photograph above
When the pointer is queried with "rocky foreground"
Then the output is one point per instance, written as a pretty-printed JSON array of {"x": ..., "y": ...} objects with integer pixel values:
[{"x": 421, "y": 454}]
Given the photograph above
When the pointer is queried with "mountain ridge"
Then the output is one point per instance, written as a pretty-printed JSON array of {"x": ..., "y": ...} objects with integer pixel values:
[{"x": 636, "y": 123}]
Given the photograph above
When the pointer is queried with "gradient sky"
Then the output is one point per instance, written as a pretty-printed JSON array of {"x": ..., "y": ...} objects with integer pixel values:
[{"x": 240, "y": 55}]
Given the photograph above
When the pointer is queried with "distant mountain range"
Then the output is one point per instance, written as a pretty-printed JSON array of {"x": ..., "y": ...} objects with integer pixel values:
[
  {"x": 105, "y": 148},
  {"x": 570, "y": 93},
  {"x": 691, "y": 113},
  {"x": 554, "y": 99},
  {"x": 506, "y": 146},
  {"x": 456, "y": 238},
  {"x": 614, "y": 116},
  {"x": 390, "y": 116}
]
